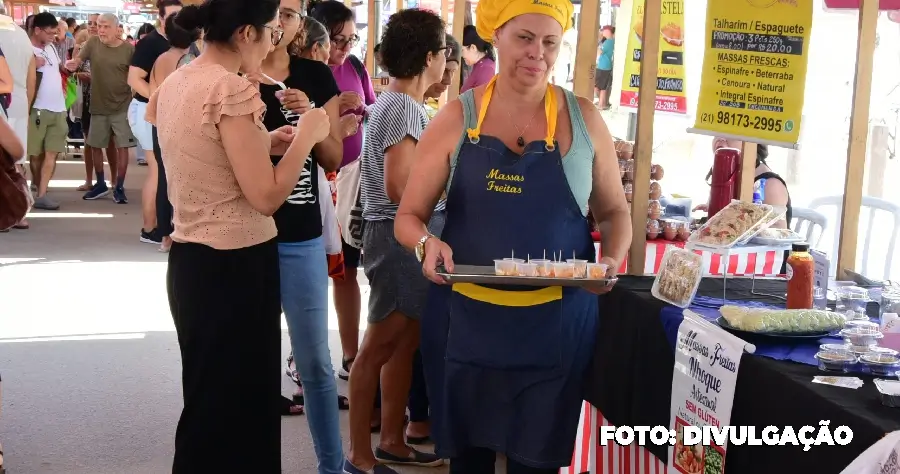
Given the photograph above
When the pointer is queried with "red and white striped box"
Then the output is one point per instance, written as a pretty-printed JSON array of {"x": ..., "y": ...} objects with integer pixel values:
[
  {"x": 746, "y": 261},
  {"x": 591, "y": 458}
]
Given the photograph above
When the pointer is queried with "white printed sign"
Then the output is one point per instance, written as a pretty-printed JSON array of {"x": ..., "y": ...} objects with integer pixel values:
[{"x": 706, "y": 366}]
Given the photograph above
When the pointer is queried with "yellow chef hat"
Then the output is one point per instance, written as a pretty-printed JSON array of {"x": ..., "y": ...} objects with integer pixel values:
[{"x": 492, "y": 14}]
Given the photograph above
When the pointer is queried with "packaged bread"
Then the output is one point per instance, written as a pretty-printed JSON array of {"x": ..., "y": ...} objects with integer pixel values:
[
  {"x": 679, "y": 277},
  {"x": 783, "y": 321}
]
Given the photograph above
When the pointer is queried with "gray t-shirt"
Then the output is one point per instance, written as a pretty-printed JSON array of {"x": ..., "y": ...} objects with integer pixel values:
[{"x": 392, "y": 117}]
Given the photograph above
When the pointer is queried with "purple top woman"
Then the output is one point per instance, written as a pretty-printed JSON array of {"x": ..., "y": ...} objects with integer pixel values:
[
  {"x": 479, "y": 54},
  {"x": 349, "y": 72}
]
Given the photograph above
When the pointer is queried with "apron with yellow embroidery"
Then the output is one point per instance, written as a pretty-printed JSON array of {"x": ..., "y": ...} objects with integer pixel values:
[{"x": 504, "y": 365}]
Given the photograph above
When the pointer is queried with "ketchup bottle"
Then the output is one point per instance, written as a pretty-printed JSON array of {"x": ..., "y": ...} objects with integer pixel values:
[{"x": 800, "y": 272}]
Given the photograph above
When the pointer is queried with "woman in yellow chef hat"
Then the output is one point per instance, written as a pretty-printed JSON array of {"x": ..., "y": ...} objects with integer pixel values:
[{"x": 521, "y": 161}]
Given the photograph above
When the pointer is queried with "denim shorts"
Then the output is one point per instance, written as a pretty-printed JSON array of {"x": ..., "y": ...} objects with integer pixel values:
[{"x": 140, "y": 127}]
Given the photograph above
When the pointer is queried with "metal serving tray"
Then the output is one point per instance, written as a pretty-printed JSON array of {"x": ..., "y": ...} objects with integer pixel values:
[{"x": 485, "y": 274}]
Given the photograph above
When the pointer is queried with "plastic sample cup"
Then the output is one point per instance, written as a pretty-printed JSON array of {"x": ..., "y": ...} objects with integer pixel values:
[
  {"x": 526, "y": 269},
  {"x": 504, "y": 267},
  {"x": 596, "y": 271},
  {"x": 579, "y": 267}
]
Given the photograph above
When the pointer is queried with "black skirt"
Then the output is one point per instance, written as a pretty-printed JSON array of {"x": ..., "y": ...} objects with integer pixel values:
[{"x": 227, "y": 309}]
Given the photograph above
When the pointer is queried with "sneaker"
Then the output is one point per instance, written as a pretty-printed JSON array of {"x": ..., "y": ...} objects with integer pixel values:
[
  {"x": 344, "y": 371},
  {"x": 119, "y": 196},
  {"x": 142, "y": 162},
  {"x": 46, "y": 204},
  {"x": 98, "y": 191},
  {"x": 415, "y": 458},
  {"x": 151, "y": 237},
  {"x": 378, "y": 469}
]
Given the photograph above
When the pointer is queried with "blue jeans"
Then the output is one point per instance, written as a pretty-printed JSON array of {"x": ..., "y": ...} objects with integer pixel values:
[{"x": 304, "y": 299}]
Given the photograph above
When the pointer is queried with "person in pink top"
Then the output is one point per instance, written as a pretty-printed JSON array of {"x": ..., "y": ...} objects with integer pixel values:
[
  {"x": 356, "y": 92},
  {"x": 479, "y": 54}
]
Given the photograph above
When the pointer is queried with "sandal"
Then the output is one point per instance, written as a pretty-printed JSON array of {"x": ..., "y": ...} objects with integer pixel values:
[
  {"x": 288, "y": 408},
  {"x": 84, "y": 187}
]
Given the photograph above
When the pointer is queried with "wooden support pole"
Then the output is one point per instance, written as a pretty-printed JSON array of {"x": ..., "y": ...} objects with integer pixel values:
[
  {"x": 459, "y": 23},
  {"x": 586, "y": 48},
  {"x": 859, "y": 134},
  {"x": 748, "y": 171},
  {"x": 372, "y": 36},
  {"x": 643, "y": 146}
]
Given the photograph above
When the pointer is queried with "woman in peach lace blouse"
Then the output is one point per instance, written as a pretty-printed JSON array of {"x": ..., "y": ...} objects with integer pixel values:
[{"x": 223, "y": 276}]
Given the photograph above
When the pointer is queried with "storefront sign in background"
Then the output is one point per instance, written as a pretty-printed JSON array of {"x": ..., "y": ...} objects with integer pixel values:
[
  {"x": 706, "y": 365},
  {"x": 670, "y": 87},
  {"x": 754, "y": 70}
]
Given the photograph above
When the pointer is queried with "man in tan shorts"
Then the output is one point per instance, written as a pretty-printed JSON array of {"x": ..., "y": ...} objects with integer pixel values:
[
  {"x": 110, "y": 58},
  {"x": 47, "y": 127}
]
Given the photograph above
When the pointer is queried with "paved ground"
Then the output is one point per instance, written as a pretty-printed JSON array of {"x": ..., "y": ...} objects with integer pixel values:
[{"x": 88, "y": 352}]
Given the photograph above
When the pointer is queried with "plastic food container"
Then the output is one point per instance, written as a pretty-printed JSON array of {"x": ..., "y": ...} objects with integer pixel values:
[
  {"x": 543, "y": 267},
  {"x": 654, "y": 209},
  {"x": 860, "y": 350},
  {"x": 652, "y": 229},
  {"x": 684, "y": 230},
  {"x": 655, "y": 190},
  {"x": 861, "y": 336},
  {"x": 657, "y": 172},
  {"x": 865, "y": 324},
  {"x": 579, "y": 267},
  {"x": 621, "y": 169},
  {"x": 679, "y": 277},
  {"x": 526, "y": 269},
  {"x": 834, "y": 347},
  {"x": 670, "y": 229},
  {"x": 890, "y": 392},
  {"x": 881, "y": 363},
  {"x": 737, "y": 222},
  {"x": 504, "y": 267},
  {"x": 835, "y": 360},
  {"x": 597, "y": 271},
  {"x": 851, "y": 301},
  {"x": 563, "y": 270},
  {"x": 629, "y": 170}
]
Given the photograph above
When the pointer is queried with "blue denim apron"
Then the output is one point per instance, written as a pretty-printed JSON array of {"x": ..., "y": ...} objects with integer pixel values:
[{"x": 504, "y": 365}]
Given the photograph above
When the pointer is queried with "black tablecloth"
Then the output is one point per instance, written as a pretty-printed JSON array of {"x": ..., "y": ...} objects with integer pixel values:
[{"x": 631, "y": 384}]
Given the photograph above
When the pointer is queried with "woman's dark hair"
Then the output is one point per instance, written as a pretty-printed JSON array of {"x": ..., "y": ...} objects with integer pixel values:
[
  {"x": 408, "y": 38},
  {"x": 332, "y": 14},
  {"x": 71, "y": 23},
  {"x": 454, "y": 52},
  {"x": 470, "y": 38},
  {"x": 219, "y": 19},
  {"x": 44, "y": 20},
  {"x": 762, "y": 153},
  {"x": 179, "y": 37},
  {"x": 313, "y": 33},
  {"x": 145, "y": 29}
]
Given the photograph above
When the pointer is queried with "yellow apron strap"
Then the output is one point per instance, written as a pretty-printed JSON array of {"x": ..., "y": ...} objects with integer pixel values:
[
  {"x": 550, "y": 113},
  {"x": 509, "y": 298}
]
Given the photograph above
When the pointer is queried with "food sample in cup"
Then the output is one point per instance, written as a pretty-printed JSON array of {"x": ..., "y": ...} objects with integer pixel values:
[
  {"x": 579, "y": 267},
  {"x": 504, "y": 267},
  {"x": 563, "y": 270},
  {"x": 526, "y": 269},
  {"x": 596, "y": 271},
  {"x": 543, "y": 267}
]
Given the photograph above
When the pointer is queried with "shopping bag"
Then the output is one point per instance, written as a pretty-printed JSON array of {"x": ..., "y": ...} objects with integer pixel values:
[
  {"x": 349, "y": 207},
  {"x": 331, "y": 233},
  {"x": 71, "y": 91}
]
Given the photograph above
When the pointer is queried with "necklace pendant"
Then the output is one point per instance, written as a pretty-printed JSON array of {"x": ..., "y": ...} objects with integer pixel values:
[{"x": 521, "y": 142}]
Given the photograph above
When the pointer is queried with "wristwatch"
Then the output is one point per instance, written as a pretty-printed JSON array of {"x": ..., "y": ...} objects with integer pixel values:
[{"x": 420, "y": 247}]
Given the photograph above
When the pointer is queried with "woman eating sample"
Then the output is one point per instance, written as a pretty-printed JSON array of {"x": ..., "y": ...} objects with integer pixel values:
[
  {"x": 521, "y": 161},
  {"x": 223, "y": 280},
  {"x": 301, "y": 249}
]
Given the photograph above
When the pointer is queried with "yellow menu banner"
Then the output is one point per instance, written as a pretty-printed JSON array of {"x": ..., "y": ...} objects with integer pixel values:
[
  {"x": 754, "y": 70},
  {"x": 670, "y": 85}
]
